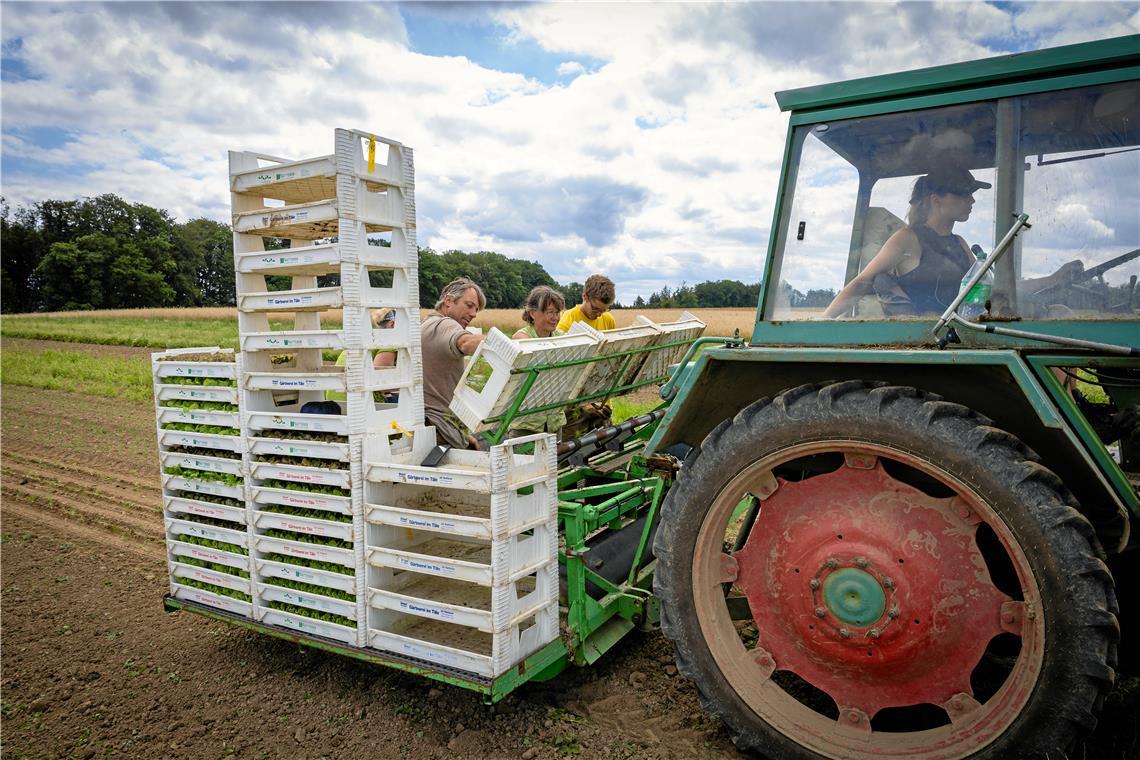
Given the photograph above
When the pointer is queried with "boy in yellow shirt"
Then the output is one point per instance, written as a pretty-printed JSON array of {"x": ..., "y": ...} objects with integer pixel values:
[{"x": 597, "y": 296}]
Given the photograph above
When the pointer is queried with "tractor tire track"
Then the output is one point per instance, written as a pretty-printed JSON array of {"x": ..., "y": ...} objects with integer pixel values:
[
  {"x": 31, "y": 511},
  {"x": 134, "y": 496},
  {"x": 72, "y": 503}
]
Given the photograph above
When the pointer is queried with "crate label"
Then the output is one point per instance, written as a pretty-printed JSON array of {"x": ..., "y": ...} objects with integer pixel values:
[
  {"x": 426, "y": 566},
  {"x": 278, "y": 383},
  {"x": 429, "y": 654},
  {"x": 202, "y": 464},
  {"x": 422, "y": 522},
  {"x": 290, "y": 301},
  {"x": 213, "y": 555},
  {"x": 290, "y": 498},
  {"x": 415, "y": 478},
  {"x": 432, "y": 612},
  {"x": 318, "y": 530},
  {"x": 196, "y": 509}
]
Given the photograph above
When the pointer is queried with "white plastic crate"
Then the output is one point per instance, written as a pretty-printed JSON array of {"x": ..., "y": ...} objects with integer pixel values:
[
  {"x": 201, "y": 596},
  {"x": 298, "y": 180},
  {"x": 266, "y": 422},
  {"x": 167, "y": 415},
  {"x": 488, "y": 386},
  {"x": 473, "y": 494},
  {"x": 176, "y": 527},
  {"x": 178, "y": 505},
  {"x": 307, "y": 525},
  {"x": 380, "y": 210},
  {"x": 489, "y": 610},
  {"x": 302, "y": 299},
  {"x": 168, "y": 438},
  {"x": 496, "y": 471},
  {"x": 269, "y": 569},
  {"x": 298, "y": 474},
  {"x": 608, "y": 373},
  {"x": 302, "y": 500},
  {"x": 284, "y": 180},
  {"x": 325, "y": 258},
  {"x": 306, "y": 260},
  {"x": 207, "y": 554},
  {"x": 163, "y": 365},
  {"x": 304, "y": 550},
  {"x": 205, "y": 488},
  {"x": 204, "y": 463},
  {"x": 482, "y": 562},
  {"x": 217, "y": 394},
  {"x": 307, "y": 625},
  {"x": 267, "y": 592},
  {"x": 206, "y": 575},
  {"x": 688, "y": 328},
  {"x": 291, "y": 448},
  {"x": 326, "y": 379},
  {"x": 463, "y": 648}
]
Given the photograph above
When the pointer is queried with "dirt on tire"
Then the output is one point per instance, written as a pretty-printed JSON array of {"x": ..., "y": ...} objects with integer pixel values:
[{"x": 93, "y": 667}]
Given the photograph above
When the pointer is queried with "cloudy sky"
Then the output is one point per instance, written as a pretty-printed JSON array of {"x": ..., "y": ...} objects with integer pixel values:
[{"x": 640, "y": 140}]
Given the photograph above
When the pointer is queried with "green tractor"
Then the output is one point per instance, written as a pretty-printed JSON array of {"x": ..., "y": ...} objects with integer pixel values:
[{"x": 897, "y": 530}]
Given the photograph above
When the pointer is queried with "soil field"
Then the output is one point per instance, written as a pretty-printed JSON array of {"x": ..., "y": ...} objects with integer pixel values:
[{"x": 93, "y": 668}]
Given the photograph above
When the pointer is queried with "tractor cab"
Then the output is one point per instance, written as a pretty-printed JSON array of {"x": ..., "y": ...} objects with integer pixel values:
[{"x": 859, "y": 155}]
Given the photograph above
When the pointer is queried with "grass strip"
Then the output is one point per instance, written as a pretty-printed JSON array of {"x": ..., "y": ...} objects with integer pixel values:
[{"x": 77, "y": 372}]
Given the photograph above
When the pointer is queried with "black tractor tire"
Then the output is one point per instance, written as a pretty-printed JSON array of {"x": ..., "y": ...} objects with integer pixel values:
[{"x": 1053, "y": 547}]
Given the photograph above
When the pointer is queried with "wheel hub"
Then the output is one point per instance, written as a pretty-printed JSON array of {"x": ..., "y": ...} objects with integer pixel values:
[
  {"x": 869, "y": 589},
  {"x": 854, "y": 596}
]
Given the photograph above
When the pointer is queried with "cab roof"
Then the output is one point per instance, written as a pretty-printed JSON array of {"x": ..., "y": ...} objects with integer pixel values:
[{"x": 1086, "y": 56}]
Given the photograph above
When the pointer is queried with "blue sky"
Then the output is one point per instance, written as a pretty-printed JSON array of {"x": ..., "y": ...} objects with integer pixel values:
[{"x": 639, "y": 140}]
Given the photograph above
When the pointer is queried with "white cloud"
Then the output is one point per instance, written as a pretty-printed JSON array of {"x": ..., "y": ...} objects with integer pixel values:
[
  {"x": 570, "y": 69},
  {"x": 657, "y": 164}
]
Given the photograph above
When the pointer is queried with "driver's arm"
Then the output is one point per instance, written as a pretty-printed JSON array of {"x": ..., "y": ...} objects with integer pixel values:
[{"x": 898, "y": 245}]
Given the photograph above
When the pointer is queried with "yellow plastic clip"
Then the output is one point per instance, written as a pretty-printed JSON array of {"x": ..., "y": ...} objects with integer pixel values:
[
  {"x": 402, "y": 429},
  {"x": 371, "y": 153}
]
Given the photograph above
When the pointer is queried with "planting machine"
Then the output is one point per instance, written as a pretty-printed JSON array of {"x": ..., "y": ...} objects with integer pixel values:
[{"x": 877, "y": 535}]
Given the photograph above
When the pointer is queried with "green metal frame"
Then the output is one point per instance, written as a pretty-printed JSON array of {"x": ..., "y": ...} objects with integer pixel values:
[{"x": 516, "y": 408}]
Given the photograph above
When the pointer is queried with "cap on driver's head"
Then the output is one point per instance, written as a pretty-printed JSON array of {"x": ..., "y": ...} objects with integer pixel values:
[{"x": 951, "y": 179}]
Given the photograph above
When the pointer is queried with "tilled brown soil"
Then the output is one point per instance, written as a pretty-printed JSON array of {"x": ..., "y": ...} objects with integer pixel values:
[{"x": 92, "y": 666}]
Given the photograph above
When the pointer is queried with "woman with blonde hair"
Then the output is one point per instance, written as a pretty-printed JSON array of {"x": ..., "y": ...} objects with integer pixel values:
[{"x": 541, "y": 312}]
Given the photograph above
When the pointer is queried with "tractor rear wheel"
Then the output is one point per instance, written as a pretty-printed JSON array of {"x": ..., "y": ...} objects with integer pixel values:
[{"x": 860, "y": 571}]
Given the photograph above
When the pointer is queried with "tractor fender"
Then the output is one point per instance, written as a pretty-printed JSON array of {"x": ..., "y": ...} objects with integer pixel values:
[{"x": 999, "y": 384}]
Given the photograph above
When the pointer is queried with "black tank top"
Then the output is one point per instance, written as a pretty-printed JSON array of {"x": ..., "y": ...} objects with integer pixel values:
[{"x": 934, "y": 283}]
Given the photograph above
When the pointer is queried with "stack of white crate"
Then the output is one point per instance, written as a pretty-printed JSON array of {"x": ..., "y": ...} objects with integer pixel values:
[
  {"x": 306, "y": 469},
  {"x": 203, "y": 475},
  {"x": 463, "y": 568}
]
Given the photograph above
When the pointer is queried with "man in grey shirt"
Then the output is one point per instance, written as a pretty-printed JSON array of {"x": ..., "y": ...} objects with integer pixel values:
[{"x": 444, "y": 343}]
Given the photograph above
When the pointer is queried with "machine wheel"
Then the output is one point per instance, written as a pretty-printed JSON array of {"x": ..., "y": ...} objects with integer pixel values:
[{"x": 860, "y": 571}]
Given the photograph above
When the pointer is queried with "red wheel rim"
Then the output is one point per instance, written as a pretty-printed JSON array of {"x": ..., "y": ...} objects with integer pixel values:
[{"x": 871, "y": 591}]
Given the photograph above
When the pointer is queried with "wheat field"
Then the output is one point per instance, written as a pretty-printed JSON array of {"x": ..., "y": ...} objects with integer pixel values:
[{"x": 719, "y": 321}]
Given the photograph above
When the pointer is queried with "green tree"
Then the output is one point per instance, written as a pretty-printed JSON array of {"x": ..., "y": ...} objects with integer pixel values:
[
  {"x": 212, "y": 244},
  {"x": 99, "y": 271},
  {"x": 21, "y": 248}
]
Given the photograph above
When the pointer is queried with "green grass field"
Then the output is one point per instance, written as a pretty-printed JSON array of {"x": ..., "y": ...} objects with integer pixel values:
[{"x": 77, "y": 372}]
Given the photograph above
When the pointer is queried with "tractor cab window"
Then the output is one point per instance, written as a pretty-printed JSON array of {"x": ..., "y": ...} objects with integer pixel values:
[
  {"x": 885, "y": 214},
  {"x": 1080, "y": 151}
]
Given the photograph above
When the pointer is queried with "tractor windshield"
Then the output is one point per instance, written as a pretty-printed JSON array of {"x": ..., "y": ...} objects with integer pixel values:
[{"x": 882, "y": 211}]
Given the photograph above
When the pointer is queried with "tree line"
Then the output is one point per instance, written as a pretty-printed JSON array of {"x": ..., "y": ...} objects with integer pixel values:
[{"x": 106, "y": 253}]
